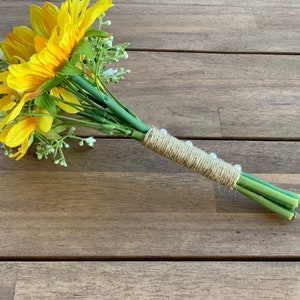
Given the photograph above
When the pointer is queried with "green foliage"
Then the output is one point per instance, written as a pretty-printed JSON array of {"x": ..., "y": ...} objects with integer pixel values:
[
  {"x": 45, "y": 101},
  {"x": 69, "y": 69},
  {"x": 100, "y": 56}
]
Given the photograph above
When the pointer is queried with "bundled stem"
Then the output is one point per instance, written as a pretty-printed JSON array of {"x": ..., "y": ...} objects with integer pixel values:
[
  {"x": 270, "y": 196},
  {"x": 278, "y": 200},
  {"x": 119, "y": 111}
]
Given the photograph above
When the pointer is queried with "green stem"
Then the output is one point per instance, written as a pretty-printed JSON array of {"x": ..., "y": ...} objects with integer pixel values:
[
  {"x": 267, "y": 191},
  {"x": 117, "y": 109},
  {"x": 77, "y": 121},
  {"x": 267, "y": 203},
  {"x": 257, "y": 179}
]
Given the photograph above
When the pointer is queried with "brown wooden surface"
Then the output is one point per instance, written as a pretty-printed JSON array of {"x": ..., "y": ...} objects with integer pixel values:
[
  {"x": 150, "y": 280},
  {"x": 225, "y": 74}
]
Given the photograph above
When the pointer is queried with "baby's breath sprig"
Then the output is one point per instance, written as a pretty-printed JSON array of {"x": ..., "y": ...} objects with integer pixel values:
[
  {"x": 104, "y": 55},
  {"x": 55, "y": 147}
]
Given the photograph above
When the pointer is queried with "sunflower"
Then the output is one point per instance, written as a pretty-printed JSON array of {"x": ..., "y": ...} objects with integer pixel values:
[
  {"x": 19, "y": 135},
  {"x": 34, "y": 56},
  {"x": 37, "y": 54}
]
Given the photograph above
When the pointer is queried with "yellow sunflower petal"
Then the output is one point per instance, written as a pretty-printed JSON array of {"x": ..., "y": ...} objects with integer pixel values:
[
  {"x": 4, "y": 89},
  {"x": 92, "y": 13},
  {"x": 76, "y": 7},
  {"x": 37, "y": 21},
  {"x": 14, "y": 113},
  {"x": 22, "y": 149},
  {"x": 23, "y": 79},
  {"x": 3, "y": 76},
  {"x": 20, "y": 132},
  {"x": 72, "y": 108},
  {"x": 25, "y": 35},
  {"x": 40, "y": 43},
  {"x": 64, "y": 16},
  {"x": 3, "y": 135},
  {"x": 50, "y": 15},
  {"x": 7, "y": 103},
  {"x": 43, "y": 123},
  {"x": 56, "y": 33},
  {"x": 18, "y": 45}
]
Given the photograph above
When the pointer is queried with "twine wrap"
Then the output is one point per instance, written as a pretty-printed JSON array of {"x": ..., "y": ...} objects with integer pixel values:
[{"x": 191, "y": 157}]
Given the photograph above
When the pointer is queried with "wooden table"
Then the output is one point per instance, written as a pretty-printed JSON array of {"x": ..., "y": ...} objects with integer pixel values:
[{"x": 122, "y": 223}]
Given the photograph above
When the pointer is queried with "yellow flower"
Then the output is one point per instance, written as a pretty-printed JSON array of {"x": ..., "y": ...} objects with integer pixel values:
[
  {"x": 67, "y": 97},
  {"x": 56, "y": 36},
  {"x": 8, "y": 100},
  {"x": 19, "y": 135},
  {"x": 24, "y": 42},
  {"x": 35, "y": 56}
]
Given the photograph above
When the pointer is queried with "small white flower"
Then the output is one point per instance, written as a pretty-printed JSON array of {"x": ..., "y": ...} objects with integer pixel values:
[
  {"x": 63, "y": 163},
  {"x": 108, "y": 41},
  {"x": 90, "y": 141},
  {"x": 66, "y": 145},
  {"x": 110, "y": 72},
  {"x": 107, "y": 23}
]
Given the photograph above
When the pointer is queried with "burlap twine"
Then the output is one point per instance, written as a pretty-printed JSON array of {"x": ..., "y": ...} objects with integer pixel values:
[{"x": 191, "y": 157}]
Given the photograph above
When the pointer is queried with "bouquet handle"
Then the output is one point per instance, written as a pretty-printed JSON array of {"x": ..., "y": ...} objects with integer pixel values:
[
  {"x": 278, "y": 200},
  {"x": 191, "y": 157}
]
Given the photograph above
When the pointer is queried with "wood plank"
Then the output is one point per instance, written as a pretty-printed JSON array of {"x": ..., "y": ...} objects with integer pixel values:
[
  {"x": 237, "y": 123},
  {"x": 8, "y": 275},
  {"x": 158, "y": 280},
  {"x": 106, "y": 215},
  {"x": 220, "y": 87},
  {"x": 226, "y": 26},
  {"x": 127, "y": 235},
  {"x": 109, "y": 155},
  {"x": 206, "y": 95}
]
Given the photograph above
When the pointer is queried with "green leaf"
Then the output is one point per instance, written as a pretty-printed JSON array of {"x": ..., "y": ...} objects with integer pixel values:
[
  {"x": 51, "y": 135},
  {"x": 97, "y": 33},
  {"x": 51, "y": 83},
  {"x": 69, "y": 69},
  {"x": 83, "y": 48},
  {"x": 46, "y": 101}
]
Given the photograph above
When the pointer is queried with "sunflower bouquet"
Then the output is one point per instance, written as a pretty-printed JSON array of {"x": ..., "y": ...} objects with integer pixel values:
[{"x": 54, "y": 76}]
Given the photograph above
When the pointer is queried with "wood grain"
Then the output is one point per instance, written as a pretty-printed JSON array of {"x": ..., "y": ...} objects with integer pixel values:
[
  {"x": 222, "y": 26},
  {"x": 128, "y": 156},
  {"x": 157, "y": 280},
  {"x": 197, "y": 236},
  {"x": 105, "y": 215},
  {"x": 8, "y": 278},
  {"x": 215, "y": 95},
  {"x": 222, "y": 73},
  {"x": 222, "y": 89}
]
